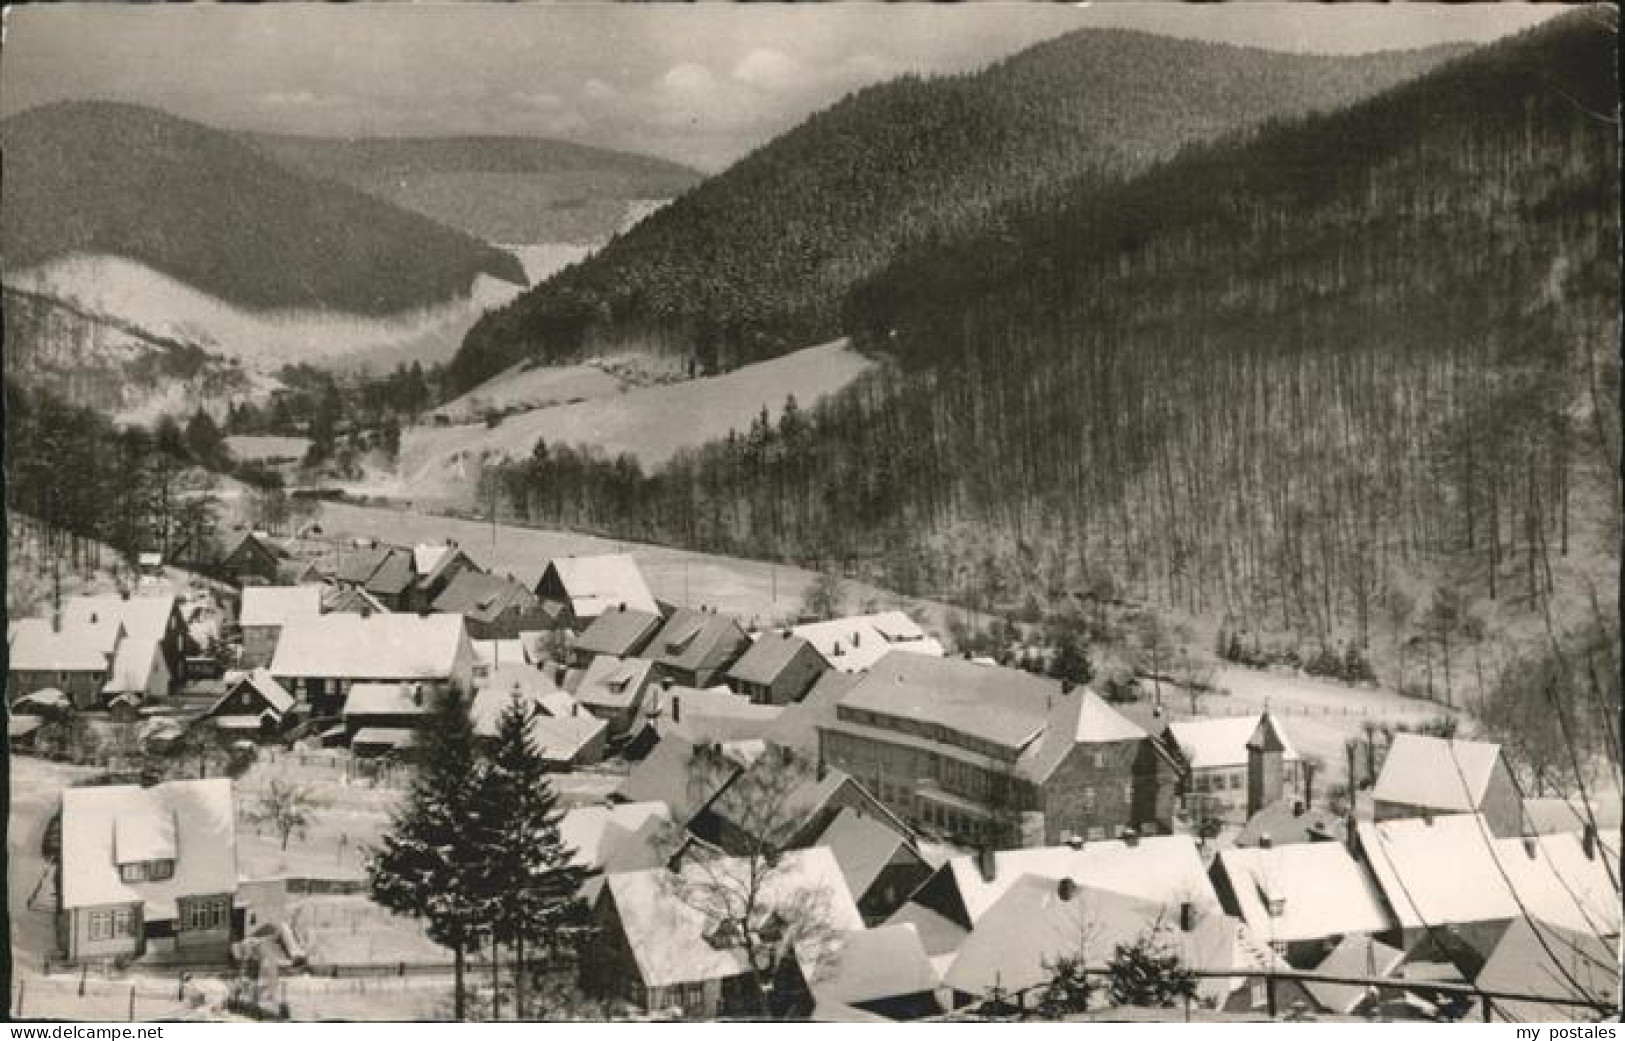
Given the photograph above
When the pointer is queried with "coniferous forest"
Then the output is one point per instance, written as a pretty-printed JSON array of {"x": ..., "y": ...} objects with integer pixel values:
[
  {"x": 754, "y": 262},
  {"x": 1260, "y": 380}
]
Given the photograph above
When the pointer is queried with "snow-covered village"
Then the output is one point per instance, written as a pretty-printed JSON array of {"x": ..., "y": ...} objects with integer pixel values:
[{"x": 813, "y": 517}]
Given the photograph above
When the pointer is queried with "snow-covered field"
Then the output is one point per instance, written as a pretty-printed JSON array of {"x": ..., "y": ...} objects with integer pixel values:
[
  {"x": 136, "y": 293},
  {"x": 651, "y": 423}
]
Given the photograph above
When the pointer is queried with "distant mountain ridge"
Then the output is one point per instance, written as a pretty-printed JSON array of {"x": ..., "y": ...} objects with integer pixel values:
[
  {"x": 201, "y": 206},
  {"x": 510, "y": 190},
  {"x": 755, "y": 260}
]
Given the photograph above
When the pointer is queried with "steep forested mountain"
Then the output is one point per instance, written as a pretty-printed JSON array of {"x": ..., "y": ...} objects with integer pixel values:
[
  {"x": 202, "y": 207},
  {"x": 754, "y": 261},
  {"x": 1270, "y": 378},
  {"x": 503, "y": 189}
]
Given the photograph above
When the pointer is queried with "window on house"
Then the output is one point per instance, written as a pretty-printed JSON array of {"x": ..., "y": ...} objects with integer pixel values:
[
  {"x": 136, "y": 872},
  {"x": 1096, "y": 833},
  {"x": 205, "y": 914},
  {"x": 160, "y": 870},
  {"x": 1100, "y": 760},
  {"x": 691, "y": 997},
  {"x": 1088, "y": 799},
  {"x": 101, "y": 925}
]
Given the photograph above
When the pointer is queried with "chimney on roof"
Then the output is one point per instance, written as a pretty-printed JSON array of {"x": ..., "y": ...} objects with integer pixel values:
[
  {"x": 1066, "y": 889},
  {"x": 1073, "y": 840},
  {"x": 417, "y": 694},
  {"x": 1531, "y": 846},
  {"x": 665, "y": 683},
  {"x": 1066, "y": 686},
  {"x": 1427, "y": 816},
  {"x": 575, "y": 708},
  {"x": 56, "y": 620},
  {"x": 1277, "y": 905},
  {"x": 559, "y": 673},
  {"x": 1264, "y": 840},
  {"x": 676, "y": 709},
  {"x": 1131, "y": 837},
  {"x": 1297, "y": 807},
  {"x": 1187, "y": 916},
  {"x": 1588, "y": 841},
  {"x": 124, "y": 592},
  {"x": 857, "y": 638},
  {"x": 987, "y": 863}
]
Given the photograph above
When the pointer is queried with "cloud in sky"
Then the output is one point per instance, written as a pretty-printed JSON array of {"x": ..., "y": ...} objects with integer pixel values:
[{"x": 699, "y": 83}]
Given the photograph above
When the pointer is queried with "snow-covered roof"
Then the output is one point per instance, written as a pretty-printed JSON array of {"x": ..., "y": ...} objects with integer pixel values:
[
  {"x": 192, "y": 822},
  {"x": 35, "y": 647},
  {"x": 613, "y": 683},
  {"x": 600, "y": 583},
  {"x": 666, "y": 916},
  {"x": 561, "y": 738},
  {"x": 499, "y": 688},
  {"x": 488, "y": 653},
  {"x": 1448, "y": 776},
  {"x": 274, "y": 605},
  {"x": 1452, "y": 870},
  {"x": 384, "y": 737},
  {"x": 874, "y": 964},
  {"x": 145, "y": 617},
  {"x": 1221, "y": 741},
  {"x": 1165, "y": 869},
  {"x": 855, "y": 643},
  {"x": 263, "y": 682},
  {"x": 380, "y": 646},
  {"x": 767, "y": 657},
  {"x": 1013, "y": 709},
  {"x": 1038, "y": 919},
  {"x": 863, "y": 845},
  {"x": 598, "y": 833},
  {"x": 620, "y": 632},
  {"x": 386, "y": 699},
  {"x": 426, "y": 556},
  {"x": 1354, "y": 955},
  {"x": 1549, "y": 961},
  {"x": 1322, "y": 890}
]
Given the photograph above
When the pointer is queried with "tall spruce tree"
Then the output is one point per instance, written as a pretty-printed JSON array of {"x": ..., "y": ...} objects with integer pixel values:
[
  {"x": 429, "y": 865},
  {"x": 527, "y": 875}
]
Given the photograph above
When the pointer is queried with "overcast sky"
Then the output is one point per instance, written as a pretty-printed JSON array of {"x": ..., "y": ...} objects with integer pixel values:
[{"x": 698, "y": 83}]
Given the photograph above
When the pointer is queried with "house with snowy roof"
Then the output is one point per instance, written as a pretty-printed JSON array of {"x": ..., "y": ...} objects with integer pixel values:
[
  {"x": 385, "y": 572},
  {"x": 1301, "y": 899},
  {"x": 493, "y": 606},
  {"x": 147, "y": 869},
  {"x": 435, "y": 565},
  {"x": 696, "y": 648},
  {"x": 620, "y": 633},
  {"x": 265, "y": 610},
  {"x": 1423, "y": 775},
  {"x": 854, "y": 643},
  {"x": 881, "y": 863},
  {"x": 999, "y": 756},
  {"x": 254, "y": 706},
  {"x": 1228, "y": 762},
  {"x": 576, "y": 590},
  {"x": 77, "y": 662},
  {"x": 1453, "y": 874},
  {"x": 777, "y": 668},
  {"x": 319, "y": 659},
  {"x": 617, "y": 690},
  {"x": 671, "y": 945}
]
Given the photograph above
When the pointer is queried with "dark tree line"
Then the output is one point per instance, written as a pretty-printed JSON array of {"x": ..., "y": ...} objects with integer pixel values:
[{"x": 1262, "y": 379}]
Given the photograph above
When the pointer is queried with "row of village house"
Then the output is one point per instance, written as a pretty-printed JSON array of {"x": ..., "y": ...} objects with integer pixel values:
[
  {"x": 1432, "y": 895},
  {"x": 906, "y": 743}
]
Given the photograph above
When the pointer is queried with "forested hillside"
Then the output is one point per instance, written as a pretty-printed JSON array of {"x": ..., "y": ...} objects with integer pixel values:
[
  {"x": 200, "y": 206},
  {"x": 755, "y": 261},
  {"x": 509, "y": 190},
  {"x": 1269, "y": 380}
]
